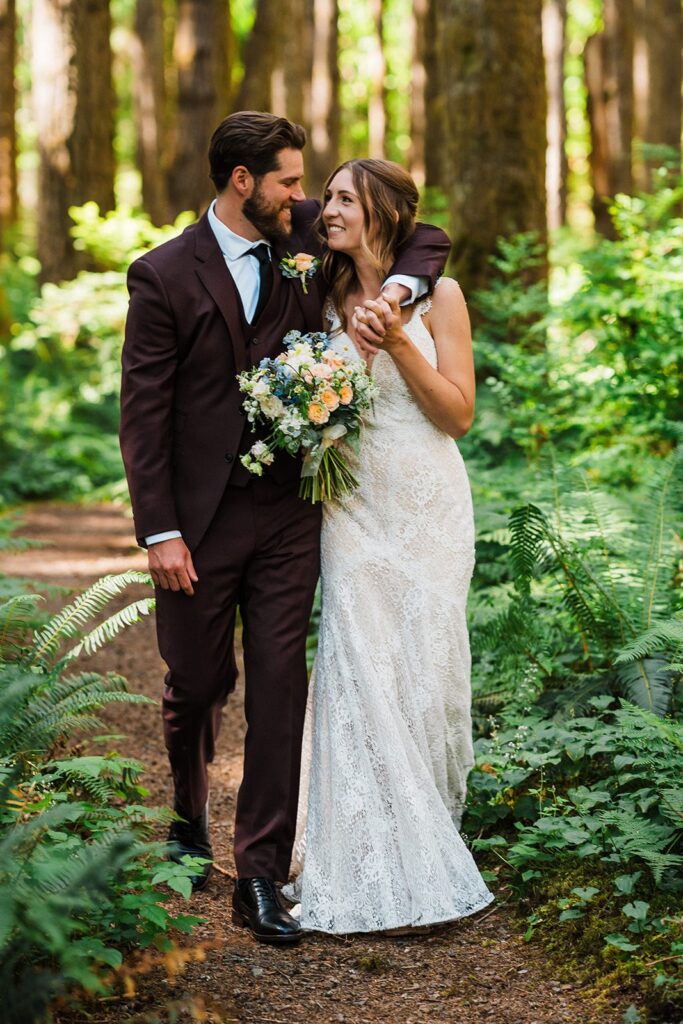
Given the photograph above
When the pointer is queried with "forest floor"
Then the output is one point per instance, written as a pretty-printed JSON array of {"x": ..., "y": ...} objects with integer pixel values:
[{"x": 476, "y": 971}]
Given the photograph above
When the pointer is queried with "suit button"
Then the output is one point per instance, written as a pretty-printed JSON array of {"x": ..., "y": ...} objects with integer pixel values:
[
  {"x": 256, "y": 341},
  {"x": 228, "y": 457}
]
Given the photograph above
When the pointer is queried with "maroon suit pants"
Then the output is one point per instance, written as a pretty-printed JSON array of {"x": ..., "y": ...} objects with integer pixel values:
[{"x": 261, "y": 554}]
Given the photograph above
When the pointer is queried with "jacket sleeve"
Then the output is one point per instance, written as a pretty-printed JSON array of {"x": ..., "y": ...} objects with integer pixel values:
[
  {"x": 150, "y": 358},
  {"x": 424, "y": 254}
]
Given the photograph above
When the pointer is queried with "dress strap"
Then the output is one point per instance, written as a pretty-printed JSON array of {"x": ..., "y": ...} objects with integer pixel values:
[{"x": 424, "y": 305}]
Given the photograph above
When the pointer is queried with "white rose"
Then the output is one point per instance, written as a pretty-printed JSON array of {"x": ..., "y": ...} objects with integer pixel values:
[{"x": 272, "y": 407}]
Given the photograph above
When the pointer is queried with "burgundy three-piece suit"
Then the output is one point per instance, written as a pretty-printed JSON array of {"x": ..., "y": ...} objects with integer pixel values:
[{"x": 254, "y": 542}]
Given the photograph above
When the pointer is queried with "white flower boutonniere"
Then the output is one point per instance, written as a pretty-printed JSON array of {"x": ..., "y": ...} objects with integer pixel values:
[{"x": 303, "y": 266}]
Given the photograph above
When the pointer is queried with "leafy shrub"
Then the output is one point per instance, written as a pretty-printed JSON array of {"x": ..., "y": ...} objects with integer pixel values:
[
  {"x": 595, "y": 366},
  {"x": 585, "y": 817},
  {"x": 77, "y": 867}
]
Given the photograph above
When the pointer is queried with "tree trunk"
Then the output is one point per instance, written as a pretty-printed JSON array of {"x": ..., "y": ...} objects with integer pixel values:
[
  {"x": 495, "y": 143},
  {"x": 376, "y": 106},
  {"x": 74, "y": 113},
  {"x": 554, "y": 26},
  {"x": 436, "y": 113},
  {"x": 261, "y": 58},
  {"x": 149, "y": 97},
  {"x": 296, "y": 59},
  {"x": 608, "y": 60},
  {"x": 202, "y": 87},
  {"x": 8, "y": 135},
  {"x": 322, "y": 151},
  {"x": 416, "y": 153},
  {"x": 657, "y": 75}
]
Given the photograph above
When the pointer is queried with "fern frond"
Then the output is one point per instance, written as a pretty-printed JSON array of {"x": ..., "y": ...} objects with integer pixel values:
[
  {"x": 14, "y": 622},
  {"x": 528, "y": 530},
  {"x": 666, "y": 635},
  {"x": 67, "y": 623},
  {"x": 109, "y": 629},
  {"x": 668, "y": 488},
  {"x": 647, "y": 682}
]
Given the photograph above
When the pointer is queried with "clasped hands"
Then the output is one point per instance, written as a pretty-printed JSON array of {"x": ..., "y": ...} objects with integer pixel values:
[{"x": 377, "y": 323}]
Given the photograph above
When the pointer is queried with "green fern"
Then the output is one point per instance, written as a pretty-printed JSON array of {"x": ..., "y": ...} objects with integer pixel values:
[
  {"x": 71, "y": 619},
  {"x": 109, "y": 629}
]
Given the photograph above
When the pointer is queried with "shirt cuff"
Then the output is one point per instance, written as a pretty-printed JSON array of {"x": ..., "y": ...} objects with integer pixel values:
[
  {"x": 156, "y": 538},
  {"x": 418, "y": 286}
]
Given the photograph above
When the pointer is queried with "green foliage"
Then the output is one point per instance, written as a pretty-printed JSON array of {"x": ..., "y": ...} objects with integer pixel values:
[
  {"x": 595, "y": 798},
  {"x": 592, "y": 599},
  {"x": 595, "y": 365},
  {"x": 60, "y": 367},
  {"x": 78, "y": 869}
]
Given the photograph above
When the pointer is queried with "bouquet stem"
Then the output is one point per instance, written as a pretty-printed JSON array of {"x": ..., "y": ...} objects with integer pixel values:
[{"x": 334, "y": 479}]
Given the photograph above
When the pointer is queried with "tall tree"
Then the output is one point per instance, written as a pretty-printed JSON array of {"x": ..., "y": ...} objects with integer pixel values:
[
  {"x": 492, "y": 73},
  {"x": 203, "y": 87},
  {"x": 416, "y": 153},
  {"x": 74, "y": 113},
  {"x": 261, "y": 58},
  {"x": 657, "y": 78},
  {"x": 436, "y": 114},
  {"x": 323, "y": 122},
  {"x": 149, "y": 96},
  {"x": 608, "y": 62},
  {"x": 554, "y": 32},
  {"x": 376, "y": 97},
  {"x": 8, "y": 135}
]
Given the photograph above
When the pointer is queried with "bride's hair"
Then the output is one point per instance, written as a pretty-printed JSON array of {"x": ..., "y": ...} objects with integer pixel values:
[{"x": 389, "y": 198}]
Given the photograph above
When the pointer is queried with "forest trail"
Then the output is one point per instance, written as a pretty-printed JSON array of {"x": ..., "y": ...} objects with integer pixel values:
[{"x": 476, "y": 971}]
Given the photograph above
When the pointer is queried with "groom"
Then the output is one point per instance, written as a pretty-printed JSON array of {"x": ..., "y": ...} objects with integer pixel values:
[{"x": 203, "y": 307}]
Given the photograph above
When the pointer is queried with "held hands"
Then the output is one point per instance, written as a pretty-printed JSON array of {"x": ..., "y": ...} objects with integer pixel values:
[
  {"x": 378, "y": 323},
  {"x": 170, "y": 565}
]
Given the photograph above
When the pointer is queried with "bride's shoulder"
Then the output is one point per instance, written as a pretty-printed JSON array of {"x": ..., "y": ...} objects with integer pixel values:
[{"x": 446, "y": 296}]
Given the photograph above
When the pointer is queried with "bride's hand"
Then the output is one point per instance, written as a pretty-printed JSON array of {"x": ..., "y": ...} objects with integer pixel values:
[{"x": 387, "y": 312}]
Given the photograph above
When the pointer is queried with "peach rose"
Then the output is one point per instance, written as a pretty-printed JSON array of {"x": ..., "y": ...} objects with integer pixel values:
[
  {"x": 345, "y": 394},
  {"x": 330, "y": 398},
  {"x": 321, "y": 371},
  {"x": 318, "y": 413},
  {"x": 302, "y": 262}
]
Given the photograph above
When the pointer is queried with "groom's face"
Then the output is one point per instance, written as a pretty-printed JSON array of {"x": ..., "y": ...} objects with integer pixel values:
[{"x": 269, "y": 207}]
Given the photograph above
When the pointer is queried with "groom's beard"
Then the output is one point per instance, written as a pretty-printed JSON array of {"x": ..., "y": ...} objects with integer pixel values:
[{"x": 267, "y": 217}]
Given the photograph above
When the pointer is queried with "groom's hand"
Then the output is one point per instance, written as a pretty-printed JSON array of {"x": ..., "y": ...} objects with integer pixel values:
[
  {"x": 371, "y": 320},
  {"x": 170, "y": 565}
]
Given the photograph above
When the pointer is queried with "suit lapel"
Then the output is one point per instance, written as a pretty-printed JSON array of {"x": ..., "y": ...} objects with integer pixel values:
[{"x": 217, "y": 280}]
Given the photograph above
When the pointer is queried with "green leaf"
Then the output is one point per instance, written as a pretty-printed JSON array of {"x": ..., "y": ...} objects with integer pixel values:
[{"x": 621, "y": 942}]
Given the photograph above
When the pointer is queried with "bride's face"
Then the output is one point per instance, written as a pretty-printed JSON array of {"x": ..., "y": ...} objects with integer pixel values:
[{"x": 343, "y": 214}]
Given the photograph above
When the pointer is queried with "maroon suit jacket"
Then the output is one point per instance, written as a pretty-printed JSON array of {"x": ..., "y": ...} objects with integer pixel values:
[{"x": 186, "y": 340}]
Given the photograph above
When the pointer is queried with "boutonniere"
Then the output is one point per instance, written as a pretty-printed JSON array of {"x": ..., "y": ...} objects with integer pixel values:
[{"x": 303, "y": 266}]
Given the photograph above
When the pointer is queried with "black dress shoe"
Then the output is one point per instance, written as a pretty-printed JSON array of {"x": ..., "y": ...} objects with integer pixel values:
[
  {"x": 256, "y": 905},
  {"x": 190, "y": 837}
]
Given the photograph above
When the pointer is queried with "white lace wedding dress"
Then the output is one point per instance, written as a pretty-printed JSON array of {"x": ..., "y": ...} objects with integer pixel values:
[{"x": 387, "y": 744}]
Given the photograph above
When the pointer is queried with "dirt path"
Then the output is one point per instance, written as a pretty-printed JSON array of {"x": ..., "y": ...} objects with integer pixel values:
[{"x": 476, "y": 971}]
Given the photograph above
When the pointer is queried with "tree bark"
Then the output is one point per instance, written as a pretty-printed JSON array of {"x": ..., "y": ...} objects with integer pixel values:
[
  {"x": 494, "y": 81},
  {"x": 202, "y": 87},
  {"x": 324, "y": 119},
  {"x": 436, "y": 113},
  {"x": 608, "y": 61},
  {"x": 416, "y": 153},
  {"x": 8, "y": 134},
  {"x": 376, "y": 105},
  {"x": 657, "y": 76},
  {"x": 261, "y": 58},
  {"x": 554, "y": 27},
  {"x": 149, "y": 98},
  {"x": 74, "y": 113}
]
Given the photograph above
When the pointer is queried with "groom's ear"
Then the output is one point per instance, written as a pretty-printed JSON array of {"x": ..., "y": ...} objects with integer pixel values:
[{"x": 242, "y": 180}]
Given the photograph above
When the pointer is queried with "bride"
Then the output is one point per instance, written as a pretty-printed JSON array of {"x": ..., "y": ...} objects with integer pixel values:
[{"x": 388, "y": 732}]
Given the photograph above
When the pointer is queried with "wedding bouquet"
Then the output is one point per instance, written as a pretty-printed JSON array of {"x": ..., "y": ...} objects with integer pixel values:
[{"x": 309, "y": 398}]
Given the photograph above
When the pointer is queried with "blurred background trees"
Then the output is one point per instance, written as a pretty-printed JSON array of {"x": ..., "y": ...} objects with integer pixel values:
[{"x": 484, "y": 100}]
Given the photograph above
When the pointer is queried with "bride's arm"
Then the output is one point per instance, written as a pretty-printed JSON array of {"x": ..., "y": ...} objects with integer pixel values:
[{"x": 445, "y": 394}]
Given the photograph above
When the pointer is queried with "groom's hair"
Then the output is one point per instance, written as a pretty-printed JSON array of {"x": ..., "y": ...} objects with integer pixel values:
[{"x": 251, "y": 139}]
